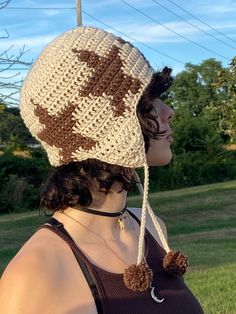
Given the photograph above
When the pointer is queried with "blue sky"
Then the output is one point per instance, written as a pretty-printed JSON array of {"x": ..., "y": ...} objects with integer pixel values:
[{"x": 36, "y": 28}]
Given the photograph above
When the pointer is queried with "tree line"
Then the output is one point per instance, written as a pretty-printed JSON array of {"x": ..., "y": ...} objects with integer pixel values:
[{"x": 204, "y": 100}]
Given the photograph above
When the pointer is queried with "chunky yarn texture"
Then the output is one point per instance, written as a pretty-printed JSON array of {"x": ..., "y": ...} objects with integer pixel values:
[
  {"x": 138, "y": 277},
  {"x": 175, "y": 263},
  {"x": 80, "y": 97}
]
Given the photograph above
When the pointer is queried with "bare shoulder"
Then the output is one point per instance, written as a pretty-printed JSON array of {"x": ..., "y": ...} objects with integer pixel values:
[
  {"x": 44, "y": 277},
  {"x": 150, "y": 226},
  {"x": 29, "y": 278},
  {"x": 39, "y": 252},
  {"x": 21, "y": 280}
]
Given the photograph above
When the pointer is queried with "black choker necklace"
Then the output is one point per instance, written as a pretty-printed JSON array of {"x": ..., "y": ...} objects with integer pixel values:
[{"x": 100, "y": 213}]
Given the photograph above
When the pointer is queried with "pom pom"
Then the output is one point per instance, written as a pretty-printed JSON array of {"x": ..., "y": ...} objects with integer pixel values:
[
  {"x": 138, "y": 277},
  {"x": 175, "y": 263}
]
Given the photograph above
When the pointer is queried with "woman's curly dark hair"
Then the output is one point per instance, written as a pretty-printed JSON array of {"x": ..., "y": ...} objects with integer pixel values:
[
  {"x": 159, "y": 84},
  {"x": 71, "y": 185}
]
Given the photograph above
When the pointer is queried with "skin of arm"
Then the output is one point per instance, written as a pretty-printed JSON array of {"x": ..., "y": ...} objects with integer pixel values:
[
  {"x": 40, "y": 281},
  {"x": 24, "y": 286},
  {"x": 14, "y": 287}
]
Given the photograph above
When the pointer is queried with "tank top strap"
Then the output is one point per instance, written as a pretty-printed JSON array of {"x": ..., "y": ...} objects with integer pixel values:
[
  {"x": 147, "y": 232},
  {"x": 134, "y": 216},
  {"x": 58, "y": 228},
  {"x": 151, "y": 240}
]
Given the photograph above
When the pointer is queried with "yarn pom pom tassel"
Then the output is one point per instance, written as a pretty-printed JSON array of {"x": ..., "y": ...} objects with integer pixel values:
[
  {"x": 175, "y": 263},
  {"x": 138, "y": 277}
]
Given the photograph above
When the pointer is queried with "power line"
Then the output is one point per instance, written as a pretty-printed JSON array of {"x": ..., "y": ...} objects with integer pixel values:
[
  {"x": 139, "y": 42},
  {"x": 16, "y": 69},
  {"x": 74, "y": 8},
  {"x": 195, "y": 26},
  {"x": 96, "y": 19},
  {"x": 107, "y": 25},
  {"x": 197, "y": 18},
  {"x": 4, "y": 4},
  {"x": 39, "y": 8},
  {"x": 170, "y": 29}
]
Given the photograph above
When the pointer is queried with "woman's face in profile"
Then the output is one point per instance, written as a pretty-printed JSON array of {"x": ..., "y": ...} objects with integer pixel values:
[{"x": 159, "y": 152}]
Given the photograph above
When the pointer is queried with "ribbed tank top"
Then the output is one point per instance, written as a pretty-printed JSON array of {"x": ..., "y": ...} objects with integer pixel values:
[{"x": 116, "y": 298}]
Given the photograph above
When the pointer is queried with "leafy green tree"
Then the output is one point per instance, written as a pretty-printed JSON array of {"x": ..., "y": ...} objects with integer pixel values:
[
  {"x": 192, "y": 90},
  {"x": 13, "y": 129},
  {"x": 224, "y": 106},
  {"x": 195, "y": 134},
  {"x": 21, "y": 178},
  {"x": 2, "y": 107}
]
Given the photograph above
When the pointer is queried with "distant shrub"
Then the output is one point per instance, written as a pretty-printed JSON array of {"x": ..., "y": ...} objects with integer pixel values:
[
  {"x": 193, "y": 168},
  {"x": 21, "y": 178}
]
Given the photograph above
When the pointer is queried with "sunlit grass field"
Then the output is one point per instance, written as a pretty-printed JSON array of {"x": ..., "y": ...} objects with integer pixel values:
[{"x": 201, "y": 221}]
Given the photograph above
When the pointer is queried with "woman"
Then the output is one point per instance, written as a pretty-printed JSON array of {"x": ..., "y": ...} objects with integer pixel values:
[{"x": 93, "y": 102}]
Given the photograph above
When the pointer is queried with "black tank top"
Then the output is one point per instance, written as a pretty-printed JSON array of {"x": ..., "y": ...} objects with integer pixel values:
[{"x": 112, "y": 296}]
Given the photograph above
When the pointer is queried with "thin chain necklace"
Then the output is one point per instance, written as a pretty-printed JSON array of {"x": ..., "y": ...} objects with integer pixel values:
[
  {"x": 97, "y": 235},
  {"x": 154, "y": 297}
]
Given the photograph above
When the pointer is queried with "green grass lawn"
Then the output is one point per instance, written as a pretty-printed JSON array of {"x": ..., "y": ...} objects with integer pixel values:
[{"x": 201, "y": 221}]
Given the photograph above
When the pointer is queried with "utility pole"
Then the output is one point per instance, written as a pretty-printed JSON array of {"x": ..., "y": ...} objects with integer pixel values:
[{"x": 79, "y": 13}]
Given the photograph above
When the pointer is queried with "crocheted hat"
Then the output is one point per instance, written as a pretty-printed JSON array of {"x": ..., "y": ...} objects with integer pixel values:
[{"x": 79, "y": 101}]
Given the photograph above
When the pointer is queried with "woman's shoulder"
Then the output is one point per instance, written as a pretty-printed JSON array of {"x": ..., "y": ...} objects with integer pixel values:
[
  {"x": 40, "y": 253},
  {"x": 149, "y": 224},
  {"x": 30, "y": 276},
  {"x": 44, "y": 277},
  {"x": 36, "y": 249}
]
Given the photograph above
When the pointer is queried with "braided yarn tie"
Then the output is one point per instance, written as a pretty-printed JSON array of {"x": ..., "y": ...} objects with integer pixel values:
[
  {"x": 139, "y": 277},
  {"x": 175, "y": 263}
]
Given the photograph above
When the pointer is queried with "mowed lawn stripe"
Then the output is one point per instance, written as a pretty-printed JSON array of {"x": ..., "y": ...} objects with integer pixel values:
[{"x": 201, "y": 222}]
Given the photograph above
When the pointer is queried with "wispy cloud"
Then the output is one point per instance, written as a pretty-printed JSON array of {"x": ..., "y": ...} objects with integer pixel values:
[
  {"x": 220, "y": 8},
  {"x": 37, "y": 28},
  {"x": 50, "y": 13},
  {"x": 154, "y": 33},
  {"x": 211, "y": 10},
  {"x": 141, "y": 31},
  {"x": 28, "y": 42},
  {"x": 104, "y": 4}
]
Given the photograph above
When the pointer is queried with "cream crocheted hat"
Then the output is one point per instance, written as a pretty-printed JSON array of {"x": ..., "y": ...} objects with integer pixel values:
[{"x": 79, "y": 100}]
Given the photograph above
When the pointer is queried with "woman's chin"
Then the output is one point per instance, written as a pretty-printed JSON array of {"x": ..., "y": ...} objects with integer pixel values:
[{"x": 160, "y": 160}]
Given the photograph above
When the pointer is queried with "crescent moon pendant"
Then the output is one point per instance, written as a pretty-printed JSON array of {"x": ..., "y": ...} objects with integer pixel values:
[{"x": 154, "y": 297}]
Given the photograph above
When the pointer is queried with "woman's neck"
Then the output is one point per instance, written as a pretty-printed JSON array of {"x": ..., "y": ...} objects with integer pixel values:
[{"x": 79, "y": 223}]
